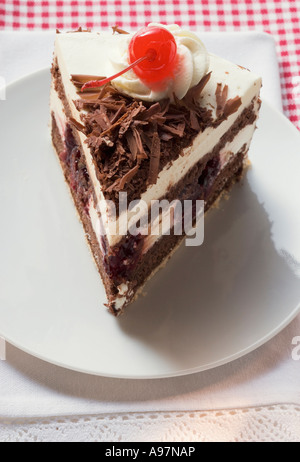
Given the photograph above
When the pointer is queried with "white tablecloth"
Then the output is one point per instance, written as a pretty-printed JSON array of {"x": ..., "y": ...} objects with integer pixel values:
[{"x": 256, "y": 397}]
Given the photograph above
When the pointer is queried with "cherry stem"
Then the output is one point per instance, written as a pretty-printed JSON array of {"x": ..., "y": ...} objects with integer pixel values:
[{"x": 151, "y": 55}]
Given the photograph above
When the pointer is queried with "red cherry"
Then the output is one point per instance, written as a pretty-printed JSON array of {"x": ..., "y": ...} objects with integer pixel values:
[
  {"x": 152, "y": 55},
  {"x": 159, "y": 45}
]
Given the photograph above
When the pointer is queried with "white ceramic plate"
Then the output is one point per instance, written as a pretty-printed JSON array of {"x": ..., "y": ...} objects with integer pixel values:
[{"x": 210, "y": 305}]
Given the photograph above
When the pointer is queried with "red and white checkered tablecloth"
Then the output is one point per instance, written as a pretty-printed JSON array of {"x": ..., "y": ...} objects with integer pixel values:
[{"x": 281, "y": 18}]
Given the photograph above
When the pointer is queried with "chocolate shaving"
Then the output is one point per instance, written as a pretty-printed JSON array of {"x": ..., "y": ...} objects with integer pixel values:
[
  {"x": 139, "y": 144},
  {"x": 154, "y": 159},
  {"x": 190, "y": 101},
  {"x": 244, "y": 68},
  {"x": 131, "y": 140},
  {"x": 232, "y": 106},
  {"x": 178, "y": 130},
  {"x": 221, "y": 97},
  {"x": 80, "y": 79},
  {"x": 120, "y": 121},
  {"x": 77, "y": 125},
  {"x": 90, "y": 96},
  {"x": 225, "y": 107},
  {"x": 80, "y": 29},
  {"x": 121, "y": 182},
  {"x": 118, "y": 30},
  {"x": 128, "y": 176},
  {"x": 153, "y": 110},
  {"x": 196, "y": 91},
  {"x": 194, "y": 121},
  {"x": 132, "y": 144},
  {"x": 130, "y": 115}
]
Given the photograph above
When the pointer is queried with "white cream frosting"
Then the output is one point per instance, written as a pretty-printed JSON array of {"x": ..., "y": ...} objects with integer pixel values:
[{"x": 193, "y": 62}]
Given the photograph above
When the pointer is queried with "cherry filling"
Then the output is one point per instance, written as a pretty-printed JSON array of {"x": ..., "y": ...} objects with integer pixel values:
[
  {"x": 121, "y": 262},
  {"x": 208, "y": 176},
  {"x": 77, "y": 173},
  {"x": 124, "y": 259}
]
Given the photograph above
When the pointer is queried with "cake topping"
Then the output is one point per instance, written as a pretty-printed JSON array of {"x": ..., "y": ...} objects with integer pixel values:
[
  {"x": 152, "y": 54},
  {"x": 159, "y": 45},
  {"x": 131, "y": 140},
  {"x": 225, "y": 107},
  {"x": 116, "y": 29},
  {"x": 157, "y": 62}
]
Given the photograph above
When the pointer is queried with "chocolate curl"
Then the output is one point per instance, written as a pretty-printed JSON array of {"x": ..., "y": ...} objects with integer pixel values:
[
  {"x": 154, "y": 159},
  {"x": 116, "y": 29},
  {"x": 221, "y": 98}
]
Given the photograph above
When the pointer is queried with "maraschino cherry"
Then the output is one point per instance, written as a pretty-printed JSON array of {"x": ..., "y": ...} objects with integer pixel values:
[{"x": 152, "y": 54}]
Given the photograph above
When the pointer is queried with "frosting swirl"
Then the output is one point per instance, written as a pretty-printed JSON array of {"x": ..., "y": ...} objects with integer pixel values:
[{"x": 192, "y": 65}]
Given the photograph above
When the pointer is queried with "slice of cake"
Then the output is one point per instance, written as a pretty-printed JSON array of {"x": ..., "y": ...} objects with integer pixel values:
[{"x": 174, "y": 123}]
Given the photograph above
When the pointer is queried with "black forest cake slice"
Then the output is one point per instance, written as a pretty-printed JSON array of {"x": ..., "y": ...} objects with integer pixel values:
[{"x": 176, "y": 127}]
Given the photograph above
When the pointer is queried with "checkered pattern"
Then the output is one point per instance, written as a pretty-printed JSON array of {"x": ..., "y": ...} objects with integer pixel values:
[{"x": 281, "y": 18}]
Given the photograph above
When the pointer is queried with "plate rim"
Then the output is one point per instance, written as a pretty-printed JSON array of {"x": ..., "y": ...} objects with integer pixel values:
[{"x": 184, "y": 372}]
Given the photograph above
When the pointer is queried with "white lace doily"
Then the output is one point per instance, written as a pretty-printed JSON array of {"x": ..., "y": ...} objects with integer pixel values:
[{"x": 278, "y": 423}]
